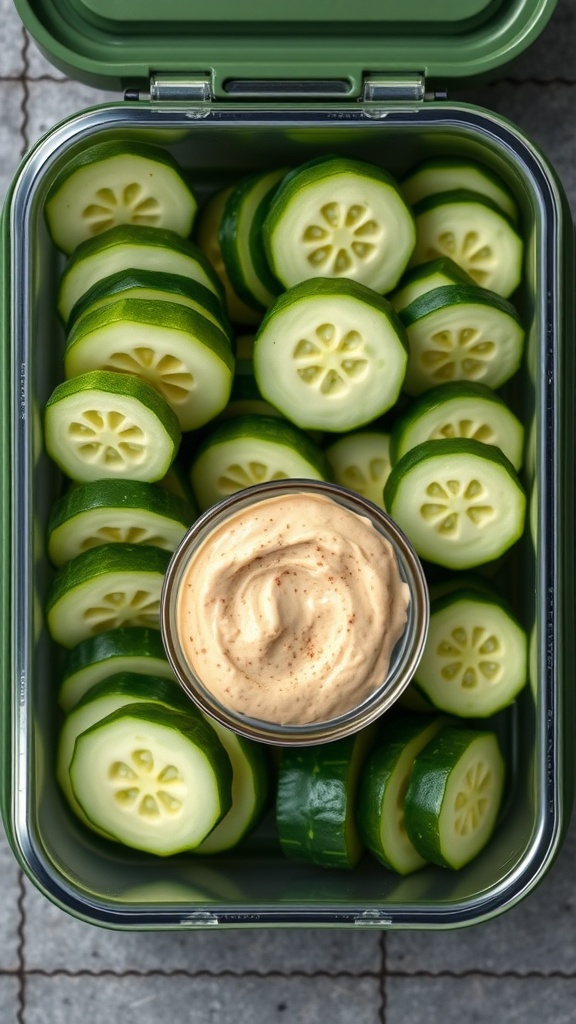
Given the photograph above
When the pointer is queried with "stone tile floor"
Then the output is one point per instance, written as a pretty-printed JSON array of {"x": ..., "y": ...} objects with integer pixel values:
[{"x": 520, "y": 967}]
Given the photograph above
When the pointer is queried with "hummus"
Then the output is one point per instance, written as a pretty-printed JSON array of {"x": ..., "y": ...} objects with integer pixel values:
[{"x": 289, "y": 611}]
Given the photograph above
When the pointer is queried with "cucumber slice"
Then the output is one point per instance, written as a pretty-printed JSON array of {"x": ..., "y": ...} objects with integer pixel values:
[
  {"x": 251, "y": 788},
  {"x": 176, "y": 482},
  {"x": 461, "y": 332},
  {"x": 382, "y": 788},
  {"x": 241, "y": 241},
  {"x": 115, "y": 511},
  {"x": 152, "y": 284},
  {"x": 459, "y": 502},
  {"x": 208, "y": 237},
  {"x": 475, "y": 659},
  {"x": 459, "y": 409},
  {"x": 424, "y": 278},
  {"x": 250, "y": 450},
  {"x": 134, "y": 649},
  {"x": 104, "y": 424},
  {"x": 132, "y": 248},
  {"x": 331, "y": 355},
  {"x": 155, "y": 779},
  {"x": 337, "y": 217},
  {"x": 107, "y": 696},
  {"x": 361, "y": 462},
  {"x": 185, "y": 357},
  {"x": 118, "y": 183},
  {"x": 472, "y": 231},
  {"x": 316, "y": 801},
  {"x": 107, "y": 587},
  {"x": 444, "y": 174},
  {"x": 454, "y": 796}
]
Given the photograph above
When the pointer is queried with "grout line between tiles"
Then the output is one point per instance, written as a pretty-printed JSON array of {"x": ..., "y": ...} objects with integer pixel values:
[
  {"x": 20, "y": 933},
  {"x": 377, "y": 975},
  {"x": 26, "y": 93}
]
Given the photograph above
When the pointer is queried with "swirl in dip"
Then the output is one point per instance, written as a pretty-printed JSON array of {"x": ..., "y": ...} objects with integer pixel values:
[{"x": 289, "y": 611}]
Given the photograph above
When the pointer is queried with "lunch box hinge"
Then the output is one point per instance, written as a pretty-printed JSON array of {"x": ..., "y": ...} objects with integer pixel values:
[
  {"x": 175, "y": 88},
  {"x": 400, "y": 88}
]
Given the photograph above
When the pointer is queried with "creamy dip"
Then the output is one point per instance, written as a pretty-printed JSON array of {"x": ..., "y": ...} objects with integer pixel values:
[{"x": 289, "y": 611}]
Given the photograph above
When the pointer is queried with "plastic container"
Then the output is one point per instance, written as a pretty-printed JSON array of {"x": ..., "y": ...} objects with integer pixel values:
[{"x": 339, "y": 109}]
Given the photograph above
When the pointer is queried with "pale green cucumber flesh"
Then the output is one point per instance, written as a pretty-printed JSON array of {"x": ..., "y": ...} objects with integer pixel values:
[{"x": 361, "y": 462}]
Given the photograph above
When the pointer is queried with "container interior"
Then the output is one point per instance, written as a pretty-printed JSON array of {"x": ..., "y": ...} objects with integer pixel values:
[{"x": 255, "y": 884}]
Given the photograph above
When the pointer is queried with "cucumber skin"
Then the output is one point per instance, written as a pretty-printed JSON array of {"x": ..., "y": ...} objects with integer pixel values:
[
  {"x": 455, "y": 294},
  {"x": 268, "y": 428},
  {"x": 106, "y": 150},
  {"x": 315, "y": 795},
  {"x": 100, "y": 561},
  {"x": 424, "y": 798},
  {"x": 227, "y": 239},
  {"x": 133, "y": 685},
  {"x": 104, "y": 645},
  {"x": 378, "y": 767},
  {"x": 443, "y": 450},
  {"x": 434, "y": 398},
  {"x": 126, "y": 494},
  {"x": 461, "y": 195},
  {"x": 196, "y": 729}
]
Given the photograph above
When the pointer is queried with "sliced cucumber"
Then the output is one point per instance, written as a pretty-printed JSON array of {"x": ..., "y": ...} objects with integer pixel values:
[
  {"x": 454, "y": 796},
  {"x": 475, "y": 659},
  {"x": 459, "y": 502},
  {"x": 444, "y": 174},
  {"x": 461, "y": 332},
  {"x": 459, "y": 409},
  {"x": 248, "y": 450},
  {"x": 331, "y": 355},
  {"x": 337, "y": 217},
  {"x": 208, "y": 237},
  {"x": 132, "y": 248},
  {"x": 425, "y": 277},
  {"x": 472, "y": 231},
  {"x": 104, "y": 424},
  {"x": 105, "y": 588},
  {"x": 251, "y": 789},
  {"x": 115, "y": 511},
  {"x": 153, "y": 284},
  {"x": 241, "y": 240},
  {"x": 245, "y": 398},
  {"x": 316, "y": 801},
  {"x": 101, "y": 700},
  {"x": 118, "y": 183},
  {"x": 133, "y": 649},
  {"x": 180, "y": 352},
  {"x": 361, "y": 462},
  {"x": 154, "y": 779},
  {"x": 382, "y": 788}
]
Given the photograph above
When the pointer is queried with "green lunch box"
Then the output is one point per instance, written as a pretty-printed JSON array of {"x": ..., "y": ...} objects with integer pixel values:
[{"x": 230, "y": 90}]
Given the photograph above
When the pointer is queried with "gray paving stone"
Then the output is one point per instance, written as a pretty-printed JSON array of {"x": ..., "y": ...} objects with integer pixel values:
[
  {"x": 56, "y": 941},
  {"x": 201, "y": 1000},
  {"x": 538, "y": 935},
  {"x": 546, "y": 115},
  {"x": 9, "y": 909},
  {"x": 11, "y": 40},
  {"x": 478, "y": 1000},
  {"x": 11, "y": 146},
  {"x": 9, "y": 1000},
  {"x": 52, "y": 102},
  {"x": 37, "y": 65},
  {"x": 552, "y": 55}
]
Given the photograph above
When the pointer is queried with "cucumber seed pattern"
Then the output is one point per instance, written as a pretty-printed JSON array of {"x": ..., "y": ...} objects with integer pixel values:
[
  {"x": 459, "y": 353},
  {"x": 341, "y": 239},
  {"x": 470, "y": 657},
  {"x": 472, "y": 799},
  {"x": 127, "y": 205},
  {"x": 245, "y": 474},
  {"x": 126, "y": 606},
  {"x": 166, "y": 372},
  {"x": 455, "y": 504},
  {"x": 107, "y": 438},
  {"x": 115, "y": 534},
  {"x": 330, "y": 360},
  {"x": 151, "y": 790},
  {"x": 464, "y": 427},
  {"x": 469, "y": 251}
]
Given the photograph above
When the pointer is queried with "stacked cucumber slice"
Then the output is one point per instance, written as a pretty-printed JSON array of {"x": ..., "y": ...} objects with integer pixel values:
[{"x": 384, "y": 327}]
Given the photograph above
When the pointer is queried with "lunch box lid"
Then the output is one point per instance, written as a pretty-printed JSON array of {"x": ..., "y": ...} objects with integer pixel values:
[{"x": 308, "y": 48}]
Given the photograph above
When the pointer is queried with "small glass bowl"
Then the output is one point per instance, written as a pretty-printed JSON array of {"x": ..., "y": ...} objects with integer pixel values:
[{"x": 405, "y": 656}]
